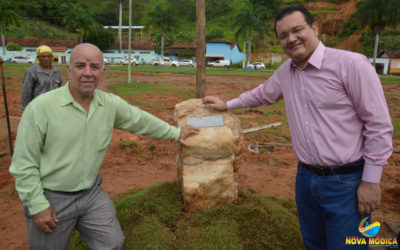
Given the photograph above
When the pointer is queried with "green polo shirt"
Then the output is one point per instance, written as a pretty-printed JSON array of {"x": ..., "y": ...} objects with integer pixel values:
[{"x": 61, "y": 148}]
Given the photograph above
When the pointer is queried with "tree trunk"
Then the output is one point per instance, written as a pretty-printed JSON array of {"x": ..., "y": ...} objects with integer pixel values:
[
  {"x": 3, "y": 43},
  {"x": 249, "y": 50},
  {"x": 244, "y": 54},
  {"x": 201, "y": 49},
  {"x": 162, "y": 46},
  {"x": 120, "y": 26},
  {"x": 375, "y": 48}
]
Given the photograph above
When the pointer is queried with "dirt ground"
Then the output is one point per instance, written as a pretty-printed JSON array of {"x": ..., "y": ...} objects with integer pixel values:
[{"x": 270, "y": 173}]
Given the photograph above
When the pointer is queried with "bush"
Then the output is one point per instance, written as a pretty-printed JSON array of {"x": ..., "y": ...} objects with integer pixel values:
[{"x": 13, "y": 47}]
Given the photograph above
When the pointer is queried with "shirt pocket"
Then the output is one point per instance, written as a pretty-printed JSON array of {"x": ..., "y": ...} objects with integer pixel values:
[{"x": 103, "y": 138}]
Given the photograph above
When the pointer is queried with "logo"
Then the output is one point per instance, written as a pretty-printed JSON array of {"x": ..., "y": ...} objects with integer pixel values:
[{"x": 369, "y": 230}]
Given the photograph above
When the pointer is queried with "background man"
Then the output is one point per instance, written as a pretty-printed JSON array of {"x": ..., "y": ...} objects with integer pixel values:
[
  {"x": 41, "y": 77},
  {"x": 62, "y": 139},
  {"x": 340, "y": 126}
]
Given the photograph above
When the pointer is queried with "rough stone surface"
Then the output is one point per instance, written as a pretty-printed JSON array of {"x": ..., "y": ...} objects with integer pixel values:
[{"x": 207, "y": 169}]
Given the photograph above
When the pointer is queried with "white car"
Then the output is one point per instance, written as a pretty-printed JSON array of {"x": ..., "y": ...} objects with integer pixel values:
[
  {"x": 125, "y": 61},
  {"x": 257, "y": 65},
  {"x": 22, "y": 59},
  {"x": 106, "y": 61},
  {"x": 220, "y": 63},
  {"x": 186, "y": 63}
]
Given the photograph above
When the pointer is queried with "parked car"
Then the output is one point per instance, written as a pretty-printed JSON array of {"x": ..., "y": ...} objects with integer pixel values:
[
  {"x": 125, "y": 61},
  {"x": 22, "y": 59},
  {"x": 106, "y": 61},
  {"x": 257, "y": 65},
  {"x": 166, "y": 61},
  {"x": 186, "y": 63},
  {"x": 220, "y": 63}
]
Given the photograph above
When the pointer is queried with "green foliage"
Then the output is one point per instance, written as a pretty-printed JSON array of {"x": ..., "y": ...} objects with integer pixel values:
[
  {"x": 13, "y": 47},
  {"x": 101, "y": 37},
  {"x": 78, "y": 18},
  {"x": 294, "y": 1},
  {"x": 390, "y": 79},
  {"x": 154, "y": 218},
  {"x": 8, "y": 15},
  {"x": 136, "y": 89},
  {"x": 396, "y": 128}
]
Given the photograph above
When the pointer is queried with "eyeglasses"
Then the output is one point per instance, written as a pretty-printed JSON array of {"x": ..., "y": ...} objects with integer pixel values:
[{"x": 45, "y": 56}]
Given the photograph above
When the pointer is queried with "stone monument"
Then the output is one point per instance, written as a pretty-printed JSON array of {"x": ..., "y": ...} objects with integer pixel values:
[{"x": 207, "y": 169}]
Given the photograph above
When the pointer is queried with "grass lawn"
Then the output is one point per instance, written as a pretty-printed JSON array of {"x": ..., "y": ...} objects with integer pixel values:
[{"x": 154, "y": 218}]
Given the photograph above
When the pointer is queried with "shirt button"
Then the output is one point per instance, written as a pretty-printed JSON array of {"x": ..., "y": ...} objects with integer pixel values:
[
  {"x": 306, "y": 123},
  {"x": 305, "y": 105},
  {"x": 302, "y": 88},
  {"x": 308, "y": 140}
]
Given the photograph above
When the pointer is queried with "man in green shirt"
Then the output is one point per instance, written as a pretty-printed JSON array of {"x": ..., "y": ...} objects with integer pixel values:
[{"x": 62, "y": 139}]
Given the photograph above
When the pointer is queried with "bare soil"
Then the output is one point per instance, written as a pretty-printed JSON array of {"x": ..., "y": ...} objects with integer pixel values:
[{"x": 270, "y": 173}]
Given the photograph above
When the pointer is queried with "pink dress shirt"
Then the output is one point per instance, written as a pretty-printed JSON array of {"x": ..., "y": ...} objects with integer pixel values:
[{"x": 336, "y": 110}]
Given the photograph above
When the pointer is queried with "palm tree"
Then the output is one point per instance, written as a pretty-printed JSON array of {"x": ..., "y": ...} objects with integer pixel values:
[
  {"x": 377, "y": 14},
  {"x": 8, "y": 16},
  {"x": 248, "y": 21},
  {"x": 162, "y": 19},
  {"x": 78, "y": 18}
]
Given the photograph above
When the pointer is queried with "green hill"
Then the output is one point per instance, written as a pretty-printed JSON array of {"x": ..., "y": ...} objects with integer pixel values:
[{"x": 52, "y": 19}]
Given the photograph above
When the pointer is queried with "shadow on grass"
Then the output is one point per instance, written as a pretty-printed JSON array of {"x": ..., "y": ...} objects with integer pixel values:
[{"x": 154, "y": 218}]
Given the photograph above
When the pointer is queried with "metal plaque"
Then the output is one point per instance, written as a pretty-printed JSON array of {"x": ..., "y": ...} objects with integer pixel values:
[{"x": 206, "y": 121}]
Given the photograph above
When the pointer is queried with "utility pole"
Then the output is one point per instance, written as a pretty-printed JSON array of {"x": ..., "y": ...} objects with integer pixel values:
[
  {"x": 120, "y": 27},
  {"x": 129, "y": 41},
  {"x": 5, "y": 106},
  {"x": 201, "y": 49}
]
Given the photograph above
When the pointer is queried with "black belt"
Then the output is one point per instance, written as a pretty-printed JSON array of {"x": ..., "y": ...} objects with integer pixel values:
[{"x": 334, "y": 170}]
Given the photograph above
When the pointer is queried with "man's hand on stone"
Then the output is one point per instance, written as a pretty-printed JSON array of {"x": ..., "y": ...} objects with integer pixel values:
[
  {"x": 186, "y": 131},
  {"x": 369, "y": 197},
  {"x": 215, "y": 103},
  {"x": 46, "y": 220}
]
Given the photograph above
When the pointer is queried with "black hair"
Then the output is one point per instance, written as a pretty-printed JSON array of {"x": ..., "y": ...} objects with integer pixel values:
[{"x": 289, "y": 10}]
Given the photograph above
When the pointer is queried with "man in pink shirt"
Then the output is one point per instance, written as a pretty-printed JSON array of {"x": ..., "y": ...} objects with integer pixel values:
[{"x": 340, "y": 126}]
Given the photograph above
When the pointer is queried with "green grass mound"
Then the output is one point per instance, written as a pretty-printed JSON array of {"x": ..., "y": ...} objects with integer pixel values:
[{"x": 154, "y": 218}]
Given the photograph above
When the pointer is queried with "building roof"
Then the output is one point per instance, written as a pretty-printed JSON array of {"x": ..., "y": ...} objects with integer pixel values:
[
  {"x": 35, "y": 42},
  {"x": 390, "y": 53},
  {"x": 183, "y": 45},
  {"x": 222, "y": 41},
  {"x": 179, "y": 47},
  {"x": 57, "y": 44}
]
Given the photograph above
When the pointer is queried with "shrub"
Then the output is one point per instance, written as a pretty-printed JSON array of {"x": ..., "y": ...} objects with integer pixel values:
[{"x": 13, "y": 47}]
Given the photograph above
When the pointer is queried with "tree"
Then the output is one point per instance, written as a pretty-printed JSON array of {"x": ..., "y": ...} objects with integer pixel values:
[
  {"x": 79, "y": 19},
  {"x": 377, "y": 14},
  {"x": 8, "y": 16},
  {"x": 163, "y": 19},
  {"x": 248, "y": 21},
  {"x": 101, "y": 37}
]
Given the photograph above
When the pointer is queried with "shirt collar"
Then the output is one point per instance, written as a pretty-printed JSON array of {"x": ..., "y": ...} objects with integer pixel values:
[
  {"x": 316, "y": 58},
  {"x": 40, "y": 69},
  {"x": 66, "y": 97}
]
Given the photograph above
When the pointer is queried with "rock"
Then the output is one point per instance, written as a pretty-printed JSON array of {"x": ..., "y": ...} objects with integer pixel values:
[{"x": 207, "y": 169}]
